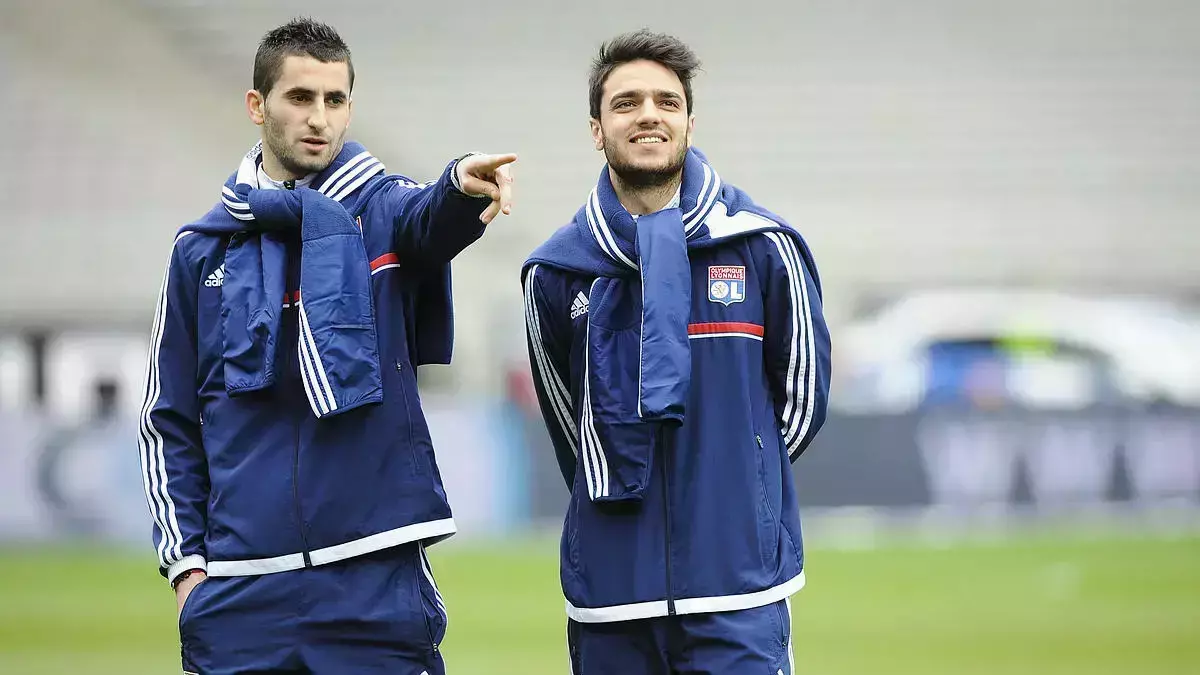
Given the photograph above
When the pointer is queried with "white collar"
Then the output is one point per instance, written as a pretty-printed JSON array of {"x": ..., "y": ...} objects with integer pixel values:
[
  {"x": 265, "y": 182},
  {"x": 674, "y": 203}
]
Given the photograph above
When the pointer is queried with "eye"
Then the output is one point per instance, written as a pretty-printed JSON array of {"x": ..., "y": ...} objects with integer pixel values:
[
  {"x": 335, "y": 100},
  {"x": 671, "y": 103},
  {"x": 622, "y": 105}
]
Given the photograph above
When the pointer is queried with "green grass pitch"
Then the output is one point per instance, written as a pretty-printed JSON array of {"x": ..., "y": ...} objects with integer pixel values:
[{"x": 1037, "y": 604}]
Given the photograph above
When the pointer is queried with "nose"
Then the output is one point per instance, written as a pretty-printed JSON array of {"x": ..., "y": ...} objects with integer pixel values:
[
  {"x": 648, "y": 114},
  {"x": 316, "y": 117}
]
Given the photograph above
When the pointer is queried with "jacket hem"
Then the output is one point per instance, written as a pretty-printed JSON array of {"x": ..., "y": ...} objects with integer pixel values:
[
  {"x": 433, "y": 529},
  {"x": 657, "y": 608}
]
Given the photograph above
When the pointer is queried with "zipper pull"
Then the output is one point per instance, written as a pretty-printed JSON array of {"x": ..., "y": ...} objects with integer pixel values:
[{"x": 759, "y": 440}]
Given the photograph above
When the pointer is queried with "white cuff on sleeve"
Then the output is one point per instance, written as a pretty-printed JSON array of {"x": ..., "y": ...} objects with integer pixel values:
[{"x": 191, "y": 562}]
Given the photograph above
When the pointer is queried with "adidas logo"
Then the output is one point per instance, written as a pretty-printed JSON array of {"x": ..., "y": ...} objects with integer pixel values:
[
  {"x": 579, "y": 306},
  {"x": 217, "y": 278}
]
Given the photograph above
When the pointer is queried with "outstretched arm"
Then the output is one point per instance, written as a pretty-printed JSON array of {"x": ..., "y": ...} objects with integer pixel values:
[{"x": 434, "y": 222}]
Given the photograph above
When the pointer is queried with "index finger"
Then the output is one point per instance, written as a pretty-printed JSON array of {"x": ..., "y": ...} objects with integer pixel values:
[{"x": 493, "y": 162}]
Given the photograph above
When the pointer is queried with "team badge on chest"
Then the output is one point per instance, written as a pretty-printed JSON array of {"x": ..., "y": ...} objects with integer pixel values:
[{"x": 726, "y": 284}]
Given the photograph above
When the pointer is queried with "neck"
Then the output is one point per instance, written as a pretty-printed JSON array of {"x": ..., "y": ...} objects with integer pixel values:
[
  {"x": 639, "y": 201},
  {"x": 275, "y": 169}
]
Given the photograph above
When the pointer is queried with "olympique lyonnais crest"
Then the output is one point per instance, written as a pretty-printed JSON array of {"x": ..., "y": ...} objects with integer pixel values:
[{"x": 726, "y": 284}]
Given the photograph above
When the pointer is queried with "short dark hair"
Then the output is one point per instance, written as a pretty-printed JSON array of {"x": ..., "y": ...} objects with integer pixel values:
[
  {"x": 667, "y": 50},
  {"x": 298, "y": 37}
]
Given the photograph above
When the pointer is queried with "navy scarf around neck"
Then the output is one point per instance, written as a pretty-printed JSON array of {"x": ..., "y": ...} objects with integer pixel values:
[
  {"x": 643, "y": 261},
  {"x": 337, "y": 346}
]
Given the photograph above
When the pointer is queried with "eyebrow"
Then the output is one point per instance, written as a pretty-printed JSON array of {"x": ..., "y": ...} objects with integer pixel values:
[
  {"x": 310, "y": 92},
  {"x": 635, "y": 93}
]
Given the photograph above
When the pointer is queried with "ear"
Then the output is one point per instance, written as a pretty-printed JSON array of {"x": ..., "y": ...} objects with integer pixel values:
[
  {"x": 256, "y": 107},
  {"x": 691, "y": 127},
  {"x": 597, "y": 133}
]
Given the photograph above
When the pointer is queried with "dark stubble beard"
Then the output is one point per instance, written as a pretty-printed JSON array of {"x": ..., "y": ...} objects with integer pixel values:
[
  {"x": 638, "y": 178},
  {"x": 275, "y": 140}
]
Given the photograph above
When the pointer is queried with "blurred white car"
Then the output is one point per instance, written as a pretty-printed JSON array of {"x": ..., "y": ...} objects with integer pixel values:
[{"x": 993, "y": 347}]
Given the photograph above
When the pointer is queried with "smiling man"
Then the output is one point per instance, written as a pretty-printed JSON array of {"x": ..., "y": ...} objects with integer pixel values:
[
  {"x": 682, "y": 363},
  {"x": 286, "y": 459}
]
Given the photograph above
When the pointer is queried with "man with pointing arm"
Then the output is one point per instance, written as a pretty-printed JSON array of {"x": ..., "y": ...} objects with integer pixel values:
[{"x": 286, "y": 460}]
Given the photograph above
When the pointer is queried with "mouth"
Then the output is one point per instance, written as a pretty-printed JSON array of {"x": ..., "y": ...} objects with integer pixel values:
[
  {"x": 648, "y": 138},
  {"x": 314, "y": 144}
]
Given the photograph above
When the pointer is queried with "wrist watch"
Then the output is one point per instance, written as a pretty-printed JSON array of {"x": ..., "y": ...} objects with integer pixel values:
[{"x": 456, "y": 180}]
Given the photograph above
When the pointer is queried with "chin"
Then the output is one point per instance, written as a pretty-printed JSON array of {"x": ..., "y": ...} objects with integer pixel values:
[
  {"x": 654, "y": 166},
  {"x": 642, "y": 162},
  {"x": 314, "y": 164},
  {"x": 630, "y": 162}
]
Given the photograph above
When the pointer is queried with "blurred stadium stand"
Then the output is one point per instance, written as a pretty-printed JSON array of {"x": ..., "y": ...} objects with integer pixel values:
[{"x": 921, "y": 147}]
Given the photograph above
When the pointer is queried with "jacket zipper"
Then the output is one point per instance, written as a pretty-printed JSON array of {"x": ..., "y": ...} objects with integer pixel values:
[
  {"x": 666, "y": 467},
  {"x": 296, "y": 496},
  {"x": 291, "y": 185},
  {"x": 412, "y": 448},
  {"x": 420, "y": 554}
]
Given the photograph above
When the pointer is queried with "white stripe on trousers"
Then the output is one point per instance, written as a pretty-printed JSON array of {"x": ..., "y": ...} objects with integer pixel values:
[
  {"x": 791, "y": 631},
  {"x": 427, "y": 568}
]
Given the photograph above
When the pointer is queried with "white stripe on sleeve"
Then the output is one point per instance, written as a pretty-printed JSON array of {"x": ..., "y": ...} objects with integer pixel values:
[
  {"x": 150, "y": 440},
  {"x": 556, "y": 390},
  {"x": 800, "y": 383}
]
